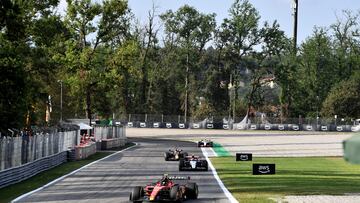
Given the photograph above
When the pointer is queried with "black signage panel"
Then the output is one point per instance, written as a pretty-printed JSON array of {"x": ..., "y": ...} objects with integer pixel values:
[
  {"x": 263, "y": 169},
  {"x": 243, "y": 157}
]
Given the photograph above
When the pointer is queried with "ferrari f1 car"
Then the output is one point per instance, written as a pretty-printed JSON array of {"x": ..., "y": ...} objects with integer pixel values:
[
  {"x": 193, "y": 163},
  {"x": 205, "y": 143},
  {"x": 165, "y": 189},
  {"x": 175, "y": 154}
]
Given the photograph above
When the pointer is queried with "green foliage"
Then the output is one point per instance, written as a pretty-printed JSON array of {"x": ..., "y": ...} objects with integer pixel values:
[
  {"x": 109, "y": 64},
  {"x": 343, "y": 99}
]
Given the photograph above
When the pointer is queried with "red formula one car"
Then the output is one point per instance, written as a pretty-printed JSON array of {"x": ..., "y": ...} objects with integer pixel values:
[{"x": 166, "y": 189}]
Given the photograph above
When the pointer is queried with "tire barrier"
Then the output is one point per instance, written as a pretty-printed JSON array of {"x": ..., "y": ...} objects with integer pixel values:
[
  {"x": 196, "y": 125},
  {"x": 267, "y": 127},
  {"x": 142, "y": 125},
  {"x": 281, "y": 127},
  {"x": 253, "y": 127},
  {"x": 295, "y": 127},
  {"x": 309, "y": 128},
  {"x": 355, "y": 128},
  {"x": 324, "y": 128},
  {"x": 339, "y": 128},
  {"x": 20, "y": 173},
  {"x": 240, "y": 126},
  {"x": 210, "y": 126}
]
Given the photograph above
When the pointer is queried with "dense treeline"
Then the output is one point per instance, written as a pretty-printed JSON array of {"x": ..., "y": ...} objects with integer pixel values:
[{"x": 109, "y": 64}]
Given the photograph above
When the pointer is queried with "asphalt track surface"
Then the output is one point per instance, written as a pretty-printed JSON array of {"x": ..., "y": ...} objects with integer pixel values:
[{"x": 112, "y": 179}]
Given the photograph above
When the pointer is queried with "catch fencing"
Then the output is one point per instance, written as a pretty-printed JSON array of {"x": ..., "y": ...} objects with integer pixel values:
[
  {"x": 26, "y": 155},
  {"x": 16, "y": 151}
]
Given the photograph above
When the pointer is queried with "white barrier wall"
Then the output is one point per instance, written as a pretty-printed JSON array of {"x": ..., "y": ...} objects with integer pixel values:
[{"x": 109, "y": 132}]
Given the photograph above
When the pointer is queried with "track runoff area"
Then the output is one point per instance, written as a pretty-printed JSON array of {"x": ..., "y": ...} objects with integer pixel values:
[{"x": 113, "y": 178}]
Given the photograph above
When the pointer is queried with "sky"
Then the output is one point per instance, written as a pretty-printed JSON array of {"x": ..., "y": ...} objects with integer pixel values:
[{"x": 311, "y": 12}]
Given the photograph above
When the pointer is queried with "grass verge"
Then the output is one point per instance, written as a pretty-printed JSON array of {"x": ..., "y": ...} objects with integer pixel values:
[
  {"x": 11, "y": 192},
  {"x": 294, "y": 176}
]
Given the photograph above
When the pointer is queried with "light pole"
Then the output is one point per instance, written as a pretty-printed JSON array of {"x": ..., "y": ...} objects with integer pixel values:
[
  {"x": 295, "y": 7},
  {"x": 317, "y": 110},
  {"x": 61, "y": 99}
]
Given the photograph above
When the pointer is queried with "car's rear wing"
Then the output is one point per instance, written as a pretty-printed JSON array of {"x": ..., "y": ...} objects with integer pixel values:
[{"x": 179, "y": 178}]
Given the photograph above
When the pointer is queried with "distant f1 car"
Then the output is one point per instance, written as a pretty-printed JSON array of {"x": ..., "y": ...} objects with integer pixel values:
[
  {"x": 193, "y": 163},
  {"x": 165, "y": 190},
  {"x": 205, "y": 143},
  {"x": 175, "y": 154}
]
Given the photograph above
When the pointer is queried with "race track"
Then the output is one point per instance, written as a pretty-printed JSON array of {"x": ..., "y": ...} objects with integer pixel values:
[{"x": 112, "y": 179}]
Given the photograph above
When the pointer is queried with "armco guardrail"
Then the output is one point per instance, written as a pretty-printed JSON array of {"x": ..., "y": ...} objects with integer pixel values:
[{"x": 20, "y": 173}]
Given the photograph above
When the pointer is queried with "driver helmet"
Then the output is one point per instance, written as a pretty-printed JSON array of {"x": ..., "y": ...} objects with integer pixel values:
[{"x": 164, "y": 180}]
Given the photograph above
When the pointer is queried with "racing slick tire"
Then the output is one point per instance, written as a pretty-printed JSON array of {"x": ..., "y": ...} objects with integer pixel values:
[
  {"x": 183, "y": 155},
  {"x": 199, "y": 144},
  {"x": 181, "y": 164},
  {"x": 206, "y": 166},
  {"x": 192, "y": 190},
  {"x": 166, "y": 156},
  {"x": 136, "y": 194},
  {"x": 174, "y": 193}
]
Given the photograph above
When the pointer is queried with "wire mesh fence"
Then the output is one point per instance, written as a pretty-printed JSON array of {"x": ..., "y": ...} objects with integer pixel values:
[
  {"x": 261, "y": 119},
  {"x": 15, "y": 151}
]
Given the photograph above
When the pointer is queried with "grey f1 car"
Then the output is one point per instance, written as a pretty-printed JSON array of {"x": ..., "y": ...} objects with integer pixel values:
[{"x": 193, "y": 163}]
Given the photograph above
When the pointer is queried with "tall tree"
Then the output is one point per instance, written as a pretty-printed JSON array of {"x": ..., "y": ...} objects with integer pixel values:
[
  {"x": 343, "y": 99},
  {"x": 29, "y": 32},
  {"x": 316, "y": 74},
  {"x": 239, "y": 34},
  {"x": 346, "y": 34},
  {"x": 92, "y": 25},
  {"x": 192, "y": 31}
]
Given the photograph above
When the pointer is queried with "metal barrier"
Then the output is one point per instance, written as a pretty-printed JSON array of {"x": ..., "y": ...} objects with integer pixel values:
[{"x": 20, "y": 173}]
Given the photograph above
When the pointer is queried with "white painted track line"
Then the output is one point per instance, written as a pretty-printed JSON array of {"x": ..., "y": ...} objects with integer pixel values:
[
  {"x": 221, "y": 184},
  {"x": 69, "y": 174}
]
